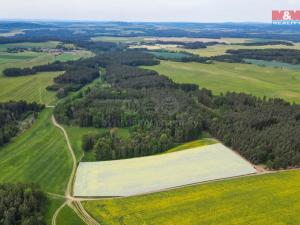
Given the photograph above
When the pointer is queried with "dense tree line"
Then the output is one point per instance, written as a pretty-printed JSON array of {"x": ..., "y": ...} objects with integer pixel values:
[
  {"x": 263, "y": 43},
  {"x": 291, "y": 56},
  {"x": 189, "y": 45},
  {"x": 10, "y": 114},
  {"x": 264, "y": 131},
  {"x": 51, "y": 67},
  {"x": 22, "y": 204}
]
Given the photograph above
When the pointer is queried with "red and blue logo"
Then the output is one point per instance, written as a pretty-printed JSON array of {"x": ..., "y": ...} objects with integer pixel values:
[{"x": 286, "y": 17}]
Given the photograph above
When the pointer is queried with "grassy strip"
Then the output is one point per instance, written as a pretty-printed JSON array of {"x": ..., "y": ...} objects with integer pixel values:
[
  {"x": 67, "y": 216},
  {"x": 39, "y": 155},
  {"x": 53, "y": 204},
  {"x": 192, "y": 144}
]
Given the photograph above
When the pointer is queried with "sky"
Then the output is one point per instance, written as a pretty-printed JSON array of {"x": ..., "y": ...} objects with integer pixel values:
[{"x": 146, "y": 10}]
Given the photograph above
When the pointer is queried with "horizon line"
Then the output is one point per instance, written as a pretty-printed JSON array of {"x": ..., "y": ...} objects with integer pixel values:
[{"x": 124, "y": 21}]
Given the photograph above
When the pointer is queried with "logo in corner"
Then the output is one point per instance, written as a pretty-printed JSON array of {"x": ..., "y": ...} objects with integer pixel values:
[{"x": 286, "y": 17}]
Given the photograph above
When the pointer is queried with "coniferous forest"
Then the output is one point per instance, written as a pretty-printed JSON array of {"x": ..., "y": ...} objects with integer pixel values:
[{"x": 21, "y": 204}]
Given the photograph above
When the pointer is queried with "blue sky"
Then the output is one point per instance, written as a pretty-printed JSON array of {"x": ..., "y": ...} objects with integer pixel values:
[{"x": 146, "y": 10}]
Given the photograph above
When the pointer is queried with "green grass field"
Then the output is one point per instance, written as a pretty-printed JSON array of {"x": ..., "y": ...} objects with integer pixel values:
[
  {"x": 76, "y": 133},
  {"x": 221, "y": 49},
  {"x": 48, "y": 44},
  {"x": 53, "y": 204},
  {"x": 30, "y": 88},
  {"x": 118, "y": 39},
  {"x": 222, "y": 77},
  {"x": 11, "y": 33},
  {"x": 203, "y": 141},
  {"x": 265, "y": 199},
  {"x": 29, "y": 58},
  {"x": 67, "y": 216},
  {"x": 38, "y": 155}
]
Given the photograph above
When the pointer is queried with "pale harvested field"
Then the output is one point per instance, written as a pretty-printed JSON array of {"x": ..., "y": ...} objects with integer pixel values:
[{"x": 154, "y": 173}]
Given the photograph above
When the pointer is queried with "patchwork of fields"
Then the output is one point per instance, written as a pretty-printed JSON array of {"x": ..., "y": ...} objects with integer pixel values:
[
  {"x": 40, "y": 154},
  {"x": 222, "y": 77},
  {"x": 154, "y": 173},
  {"x": 33, "y": 87}
]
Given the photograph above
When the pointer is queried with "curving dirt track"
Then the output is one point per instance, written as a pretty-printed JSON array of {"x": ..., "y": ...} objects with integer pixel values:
[{"x": 69, "y": 199}]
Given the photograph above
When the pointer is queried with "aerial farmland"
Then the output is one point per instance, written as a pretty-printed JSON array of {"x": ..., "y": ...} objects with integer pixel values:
[
  {"x": 155, "y": 173},
  {"x": 148, "y": 123}
]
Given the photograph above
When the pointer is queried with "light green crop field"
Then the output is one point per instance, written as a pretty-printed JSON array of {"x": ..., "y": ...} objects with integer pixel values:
[
  {"x": 48, "y": 44},
  {"x": 71, "y": 56},
  {"x": 76, "y": 133},
  {"x": 118, "y": 39},
  {"x": 187, "y": 39},
  {"x": 259, "y": 200},
  {"x": 11, "y": 33},
  {"x": 29, "y": 58},
  {"x": 52, "y": 206},
  {"x": 24, "y": 59},
  {"x": 192, "y": 144},
  {"x": 221, "y": 49},
  {"x": 67, "y": 216},
  {"x": 222, "y": 77},
  {"x": 30, "y": 88},
  {"x": 39, "y": 155}
]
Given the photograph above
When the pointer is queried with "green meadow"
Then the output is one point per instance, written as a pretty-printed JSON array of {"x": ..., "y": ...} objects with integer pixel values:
[
  {"x": 39, "y": 155},
  {"x": 222, "y": 77},
  {"x": 67, "y": 216},
  {"x": 118, "y": 39},
  {"x": 53, "y": 204},
  {"x": 221, "y": 49},
  {"x": 260, "y": 200},
  {"x": 76, "y": 133},
  {"x": 30, "y": 88},
  {"x": 203, "y": 141}
]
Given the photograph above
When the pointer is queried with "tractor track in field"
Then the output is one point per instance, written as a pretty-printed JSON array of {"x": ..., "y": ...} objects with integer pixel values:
[{"x": 71, "y": 201}]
